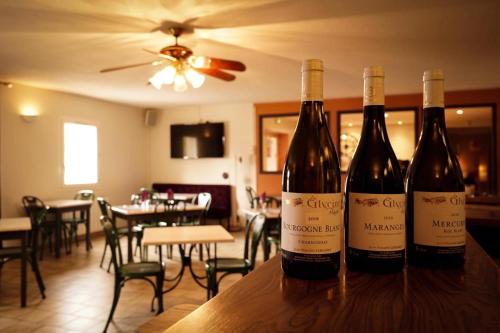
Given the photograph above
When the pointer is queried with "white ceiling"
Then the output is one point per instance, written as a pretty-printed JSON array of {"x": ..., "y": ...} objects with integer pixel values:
[{"x": 62, "y": 45}]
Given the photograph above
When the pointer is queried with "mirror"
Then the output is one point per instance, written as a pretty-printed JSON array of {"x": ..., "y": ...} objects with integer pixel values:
[
  {"x": 401, "y": 127},
  {"x": 471, "y": 133},
  {"x": 275, "y": 133}
]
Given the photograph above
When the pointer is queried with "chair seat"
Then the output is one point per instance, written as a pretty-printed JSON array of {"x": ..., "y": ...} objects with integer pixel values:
[
  {"x": 75, "y": 220},
  {"x": 14, "y": 251},
  {"x": 124, "y": 231},
  {"x": 140, "y": 269},
  {"x": 228, "y": 264}
]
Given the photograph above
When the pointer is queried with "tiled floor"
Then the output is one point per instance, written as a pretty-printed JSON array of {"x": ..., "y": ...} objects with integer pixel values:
[{"x": 79, "y": 293}]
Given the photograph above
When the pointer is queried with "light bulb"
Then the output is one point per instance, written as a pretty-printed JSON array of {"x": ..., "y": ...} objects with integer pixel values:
[
  {"x": 168, "y": 74},
  {"x": 164, "y": 76},
  {"x": 156, "y": 81},
  {"x": 195, "y": 78},
  {"x": 180, "y": 83}
]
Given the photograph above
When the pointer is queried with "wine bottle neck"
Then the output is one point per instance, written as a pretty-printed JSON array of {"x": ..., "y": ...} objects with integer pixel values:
[
  {"x": 433, "y": 93},
  {"x": 433, "y": 118},
  {"x": 311, "y": 112},
  {"x": 312, "y": 85},
  {"x": 374, "y": 114},
  {"x": 373, "y": 91}
]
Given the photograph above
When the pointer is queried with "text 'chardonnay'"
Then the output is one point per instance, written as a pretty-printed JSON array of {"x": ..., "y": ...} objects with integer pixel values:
[
  {"x": 311, "y": 224},
  {"x": 374, "y": 213},
  {"x": 435, "y": 188}
]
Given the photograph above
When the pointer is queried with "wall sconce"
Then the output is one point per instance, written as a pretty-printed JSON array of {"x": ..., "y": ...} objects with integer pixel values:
[
  {"x": 6, "y": 84},
  {"x": 29, "y": 113}
]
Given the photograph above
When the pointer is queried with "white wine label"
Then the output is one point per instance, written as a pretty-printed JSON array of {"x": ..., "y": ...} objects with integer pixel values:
[
  {"x": 433, "y": 94},
  {"x": 439, "y": 218},
  {"x": 377, "y": 221},
  {"x": 311, "y": 223},
  {"x": 373, "y": 91}
]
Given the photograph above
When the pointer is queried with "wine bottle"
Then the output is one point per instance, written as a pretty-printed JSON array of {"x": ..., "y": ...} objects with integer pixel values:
[
  {"x": 435, "y": 188},
  {"x": 311, "y": 198},
  {"x": 374, "y": 213}
]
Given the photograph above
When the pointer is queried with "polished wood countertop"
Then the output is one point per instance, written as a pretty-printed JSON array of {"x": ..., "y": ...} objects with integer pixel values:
[{"x": 414, "y": 300}]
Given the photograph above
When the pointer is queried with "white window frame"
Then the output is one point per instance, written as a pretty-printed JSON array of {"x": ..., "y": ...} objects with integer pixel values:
[{"x": 86, "y": 123}]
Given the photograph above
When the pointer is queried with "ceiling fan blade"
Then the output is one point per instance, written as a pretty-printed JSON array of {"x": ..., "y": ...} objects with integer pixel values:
[
  {"x": 232, "y": 65},
  {"x": 216, "y": 73},
  {"x": 111, "y": 69}
]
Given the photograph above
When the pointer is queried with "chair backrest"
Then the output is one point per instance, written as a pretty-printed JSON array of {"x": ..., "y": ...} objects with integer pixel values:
[
  {"x": 36, "y": 210},
  {"x": 104, "y": 206},
  {"x": 85, "y": 195},
  {"x": 256, "y": 226},
  {"x": 114, "y": 243},
  {"x": 251, "y": 195},
  {"x": 205, "y": 199}
]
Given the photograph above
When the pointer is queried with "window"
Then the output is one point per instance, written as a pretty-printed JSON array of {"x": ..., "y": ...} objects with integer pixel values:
[{"x": 80, "y": 154}]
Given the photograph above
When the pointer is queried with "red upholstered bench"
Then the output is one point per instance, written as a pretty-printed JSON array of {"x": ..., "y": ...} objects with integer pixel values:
[{"x": 220, "y": 207}]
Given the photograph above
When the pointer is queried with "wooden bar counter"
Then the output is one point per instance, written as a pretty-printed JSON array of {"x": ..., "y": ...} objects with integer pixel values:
[{"x": 414, "y": 300}]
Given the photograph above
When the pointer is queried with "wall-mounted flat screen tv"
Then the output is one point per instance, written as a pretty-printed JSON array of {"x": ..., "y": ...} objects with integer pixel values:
[{"x": 197, "y": 141}]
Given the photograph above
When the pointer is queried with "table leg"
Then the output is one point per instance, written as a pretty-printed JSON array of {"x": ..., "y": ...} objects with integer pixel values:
[
  {"x": 265, "y": 245},
  {"x": 129, "y": 241},
  {"x": 87, "y": 229},
  {"x": 23, "y": 269},
  {"x": 58, "y": 233},
  {"x": 185, "y": 261}
]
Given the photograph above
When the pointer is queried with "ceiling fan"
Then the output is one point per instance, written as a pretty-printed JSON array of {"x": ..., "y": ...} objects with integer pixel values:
[{"x": 179, "y": 66}]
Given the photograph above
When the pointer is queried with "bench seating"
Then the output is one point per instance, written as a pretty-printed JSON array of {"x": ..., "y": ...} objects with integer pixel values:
[{"x": 220, "y": 207}]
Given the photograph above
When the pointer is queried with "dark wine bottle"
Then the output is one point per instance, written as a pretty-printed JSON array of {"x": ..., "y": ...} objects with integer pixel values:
[
  {"x": 374, "y": 213},
  {"x": 435, "y": 188},
  {"x": 311, "y": 225}
]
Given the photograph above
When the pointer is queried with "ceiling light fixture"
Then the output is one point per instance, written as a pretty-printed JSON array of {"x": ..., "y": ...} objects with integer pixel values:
[
  {"x": 179, "y": 74},
  {"x": 460, "y": 112},
  {"x": 400, "y": 122},
  {"x": 29, "y": 113},
  {"x": 349, "y": 124},
  {"x": 386, "y": 115}
]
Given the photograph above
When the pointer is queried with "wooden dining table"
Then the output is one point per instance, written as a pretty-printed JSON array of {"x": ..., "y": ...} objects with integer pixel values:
[
  {"x": 58, "y": 208},
  {"x": 414, "y": 300},
  {"x": 137, "y": 213},
  {"x": 18, "y": 228},
  {"x": 182, "y": 236}
]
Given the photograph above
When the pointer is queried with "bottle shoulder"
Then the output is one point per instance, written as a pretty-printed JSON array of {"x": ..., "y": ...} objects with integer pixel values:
[{"x": 434, "y": 167}]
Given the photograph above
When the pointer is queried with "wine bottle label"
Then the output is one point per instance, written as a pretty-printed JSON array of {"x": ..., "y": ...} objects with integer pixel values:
[
  {"x": 311, "y": 222},
  {"x": 373, "y": 91},
  {"x": 433, "y": 94},
  {"x": 312, "y": 85},
  {"x": 439, "y": 218},
  {"x": 377, "y": 221}
]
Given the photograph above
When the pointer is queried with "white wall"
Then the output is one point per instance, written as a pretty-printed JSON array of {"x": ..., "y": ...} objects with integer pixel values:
[
  {"x": 31, "y": 156},
  {"x": 239, "y": 122}
]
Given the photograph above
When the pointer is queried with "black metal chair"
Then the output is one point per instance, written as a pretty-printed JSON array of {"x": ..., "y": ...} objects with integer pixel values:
[
  {"x": 78, "y": 218},
  {"x": 236, "y": 265},
  {"x": 32, "y": 205},
  {"x": 105, "y": 208},
  {"x": 252, "y": 197},
  {"x": 130, "y": 271},
  {"x": 37, "y": 212}
]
